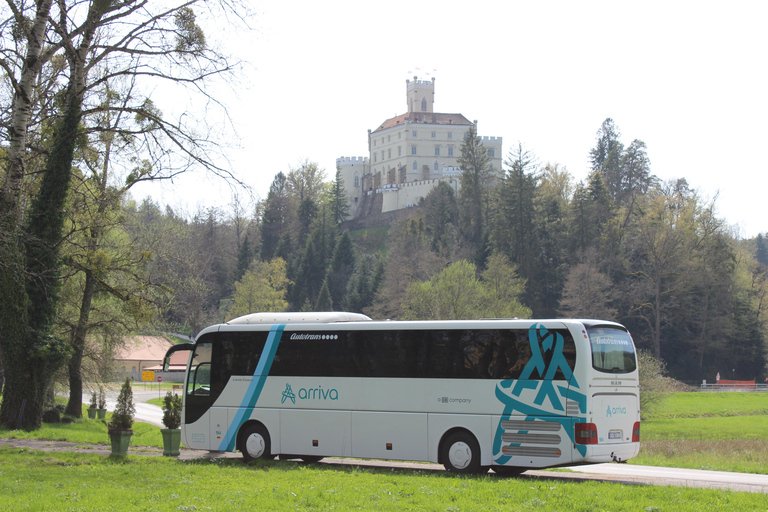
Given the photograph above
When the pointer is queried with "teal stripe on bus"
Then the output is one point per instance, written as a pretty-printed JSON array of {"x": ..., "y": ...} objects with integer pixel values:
[{"x": 251, "y": 396}]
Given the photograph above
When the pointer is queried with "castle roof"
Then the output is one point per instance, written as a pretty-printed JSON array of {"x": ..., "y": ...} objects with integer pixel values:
[{"x": 426, "y": 118}]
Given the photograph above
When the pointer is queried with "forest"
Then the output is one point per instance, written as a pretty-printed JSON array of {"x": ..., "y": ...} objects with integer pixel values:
[
  {"x": 621, "y": 245},
  {"x": 84, "y": 263}
]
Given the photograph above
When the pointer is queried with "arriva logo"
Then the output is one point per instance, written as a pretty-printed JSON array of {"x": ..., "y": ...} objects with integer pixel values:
[
  {"x": 317, "y": 393},
  {"x": 612, "y": 411}
]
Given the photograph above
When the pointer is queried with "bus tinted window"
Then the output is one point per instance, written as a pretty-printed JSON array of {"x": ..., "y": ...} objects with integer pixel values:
[
  {"x": 612, "y": 350},
  {"x": 435, "y": 354}
]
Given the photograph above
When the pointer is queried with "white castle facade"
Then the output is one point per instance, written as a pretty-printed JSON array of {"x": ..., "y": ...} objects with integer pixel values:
[{"x": 409, "y": 155}]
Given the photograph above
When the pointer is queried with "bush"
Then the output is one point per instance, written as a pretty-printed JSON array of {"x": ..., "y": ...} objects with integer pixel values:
[
  {"x": 102, "y": 398},
  {"x": 171, "y": 410},
  {"x": 51, "y": 416},
  {"x": 94, "y": 403},
  {"x": 654, "y": 384},
  {"x": 122, "y": 418}
]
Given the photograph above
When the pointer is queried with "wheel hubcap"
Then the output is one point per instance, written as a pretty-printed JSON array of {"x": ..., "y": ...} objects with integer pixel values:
[
  {"x": 460, "y": 455},
  {"x": 255, "y": 445}
]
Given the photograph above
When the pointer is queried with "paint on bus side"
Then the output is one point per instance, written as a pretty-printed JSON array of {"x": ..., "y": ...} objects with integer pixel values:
[
  {"x": 541, "y": 341},
  {"x": 254, "y": 388}
]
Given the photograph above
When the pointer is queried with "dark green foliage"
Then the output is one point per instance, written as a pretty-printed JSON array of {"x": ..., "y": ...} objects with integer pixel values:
[
  {"x": 476, "y": 175},
  {"x": 122, "y": 417},
  {"x": 340, "y": 270},
  {"x": 441, "y": 218},
  {"x": 324, "y": 302},
  {"x": 762, "y": 250},
  {"x": 172, "y": 410},
  {"x": 339, "y": 202}
]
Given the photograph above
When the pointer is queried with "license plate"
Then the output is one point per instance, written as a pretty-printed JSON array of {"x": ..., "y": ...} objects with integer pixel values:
[{"x": 614, "y": 434}]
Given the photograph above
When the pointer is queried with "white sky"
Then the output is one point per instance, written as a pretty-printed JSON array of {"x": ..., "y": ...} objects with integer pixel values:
[{"x": 688, "y": 78}]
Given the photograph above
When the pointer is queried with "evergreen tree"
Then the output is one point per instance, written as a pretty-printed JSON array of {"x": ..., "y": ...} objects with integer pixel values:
[
  {"x": 324, "y": 302},
  {"x": 514, "y": 226},
  {"x": 340, "y": 270},
  {"x": 476, "y": 176},
  {"x": 276, "y": 218},
  {"x": 339, "y": 201}
]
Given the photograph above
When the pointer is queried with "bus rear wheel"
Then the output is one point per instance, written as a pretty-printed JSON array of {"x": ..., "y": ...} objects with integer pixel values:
[
  {"x": 461, "y": 453},
  {"x": 255, "y": 444}
]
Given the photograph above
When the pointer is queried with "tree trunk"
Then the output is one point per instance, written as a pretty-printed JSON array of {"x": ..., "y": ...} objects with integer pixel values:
[
  {"x": 22, "y": 104},
  {"x": 75, "y": 403}
]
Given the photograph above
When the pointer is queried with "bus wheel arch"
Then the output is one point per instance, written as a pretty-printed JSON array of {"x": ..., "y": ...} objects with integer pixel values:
[
  {"x": 254, "y": 441},
  {"x": 459, "y": 452}
]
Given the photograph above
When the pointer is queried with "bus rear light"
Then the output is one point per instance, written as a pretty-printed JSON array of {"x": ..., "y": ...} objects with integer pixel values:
[
  {"x": 586, "y": 433},
  {"x": 636, "y": 432}
]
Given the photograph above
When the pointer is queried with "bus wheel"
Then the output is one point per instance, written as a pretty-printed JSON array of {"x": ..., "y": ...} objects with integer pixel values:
[
  {"x": 255, "y": 443},
  {"x": 461, "y": 453}
]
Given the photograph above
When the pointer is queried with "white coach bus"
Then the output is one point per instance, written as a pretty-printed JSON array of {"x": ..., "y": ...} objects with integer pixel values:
[{"x": 506, "y": 394}]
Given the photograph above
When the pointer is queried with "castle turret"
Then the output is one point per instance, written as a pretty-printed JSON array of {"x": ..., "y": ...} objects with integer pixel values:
[{"x": 420, "y": 94}]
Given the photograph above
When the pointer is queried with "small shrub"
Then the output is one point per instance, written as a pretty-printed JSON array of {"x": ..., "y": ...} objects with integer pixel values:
[
  {"x": 122, "y": 418},
  {"x": 102, "y": 398},
  {"x": 94, "y": 403},
  {"x": 51, "y": 416},
  {"x": 171, "y": 410},
  {"x": 655, "y": 386}
]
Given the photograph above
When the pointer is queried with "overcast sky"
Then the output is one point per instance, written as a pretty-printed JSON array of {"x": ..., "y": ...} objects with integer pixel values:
[{"x": 687, "y": 78}]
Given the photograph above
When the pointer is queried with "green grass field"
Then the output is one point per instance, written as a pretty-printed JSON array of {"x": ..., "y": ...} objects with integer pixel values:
[
  {"x": 724, "y": 431},
  {"x": 68, "y": 481},
  {"x": 713, "y": 431}
]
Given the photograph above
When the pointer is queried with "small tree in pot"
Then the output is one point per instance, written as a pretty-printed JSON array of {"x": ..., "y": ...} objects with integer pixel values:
[
  {"x": 92, "y": 407},
  {"x": 102, "y": 410},
  {"x": 172, "y": 421},
  {"x": 119, "y": 427}
]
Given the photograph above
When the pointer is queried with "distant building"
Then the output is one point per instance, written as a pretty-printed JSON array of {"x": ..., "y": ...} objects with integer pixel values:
[
  {"x": 141, "y": 353},
  {"x": 409, "y": 155}
]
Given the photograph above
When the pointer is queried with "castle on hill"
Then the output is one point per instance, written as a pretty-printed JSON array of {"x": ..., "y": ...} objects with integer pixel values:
[{"x": 408, "y": 155}]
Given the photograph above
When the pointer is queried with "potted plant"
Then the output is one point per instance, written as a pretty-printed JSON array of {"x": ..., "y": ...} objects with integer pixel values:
[
  {"x": 119, "y": 427},
  {"x": 92, "y": 407},
  {"x": 172, "y": 421},
  {"x": 102, "y": 410}
]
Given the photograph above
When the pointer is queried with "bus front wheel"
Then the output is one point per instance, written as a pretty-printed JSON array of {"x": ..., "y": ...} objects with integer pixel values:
[
  {"x": 461, "y": 453},
  {"x": 255, "y": 443}
]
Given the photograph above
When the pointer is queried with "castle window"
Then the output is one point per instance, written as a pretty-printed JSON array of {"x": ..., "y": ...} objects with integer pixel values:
[
  {"x": 414, "y": 133},
  {"x": 492, "y": 152},
  {"x": 423, "y": 104},
  {"x": 375, "y": 157},
  {"x": 450, "y": 135},
  {"x": 389, "y": 153},
  {"x": 434, "y": 134},
  {"x": 413, "y": 149},
  {"x": 450, "y": 150},
  {"x": 415, "y": 166},
  {"x": 399, "y": 151},
  {"x": 357, "y": 180},
  {"x": 436, "y": 165},
  {"x": 437, "y": 150}
]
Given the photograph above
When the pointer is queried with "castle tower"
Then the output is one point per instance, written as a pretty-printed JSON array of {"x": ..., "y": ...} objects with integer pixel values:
[{"x": 421, "y": 95}]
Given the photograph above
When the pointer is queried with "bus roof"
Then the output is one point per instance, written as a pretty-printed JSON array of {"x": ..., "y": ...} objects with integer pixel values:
[{"x": 299, "y": 318}]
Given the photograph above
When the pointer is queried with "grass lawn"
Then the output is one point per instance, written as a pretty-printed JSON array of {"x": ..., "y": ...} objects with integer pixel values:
[
  {"x": 60, "y": 481},
  {"x": 724, "y": 431}
]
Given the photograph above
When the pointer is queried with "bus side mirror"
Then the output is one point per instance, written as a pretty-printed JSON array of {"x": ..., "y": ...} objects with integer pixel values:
[{"x": 166, "y": 362}]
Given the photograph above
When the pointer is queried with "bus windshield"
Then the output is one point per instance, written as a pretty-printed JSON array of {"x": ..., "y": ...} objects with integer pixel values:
[{"x": 612, "y": 350}]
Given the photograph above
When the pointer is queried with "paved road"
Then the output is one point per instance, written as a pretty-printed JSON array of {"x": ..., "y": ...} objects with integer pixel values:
[{"x": 624, "y": 473}]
